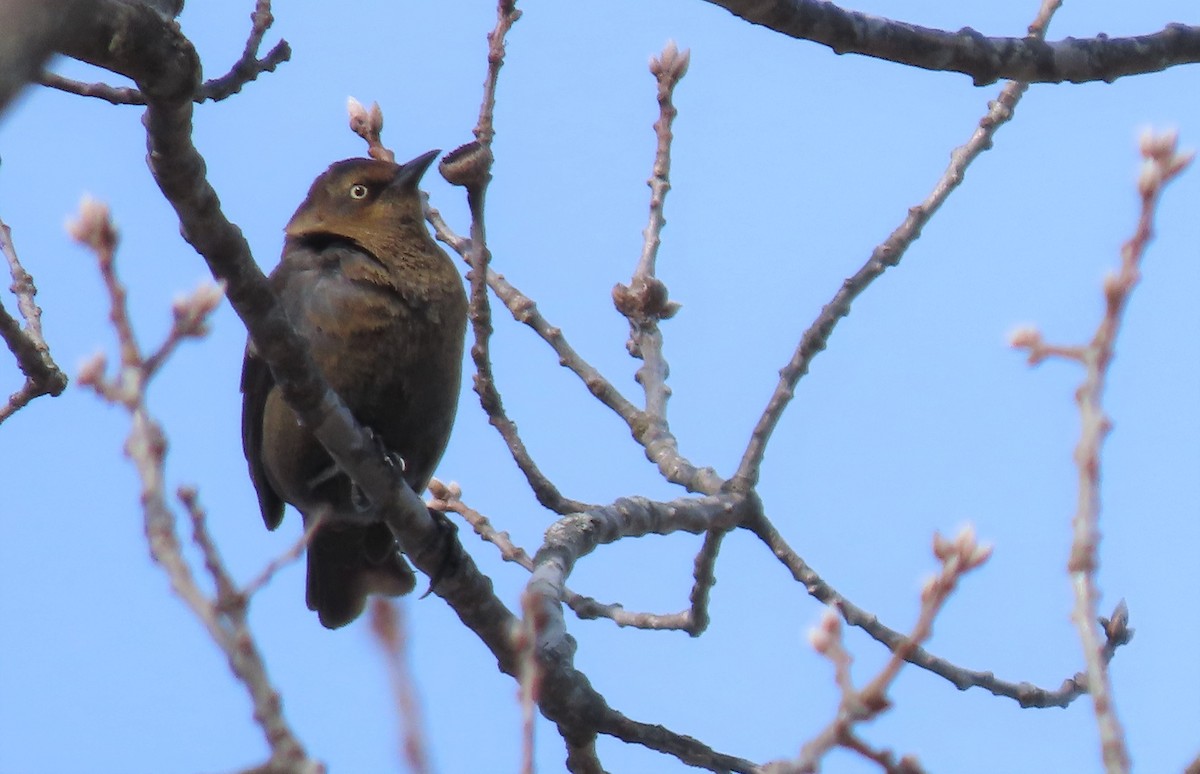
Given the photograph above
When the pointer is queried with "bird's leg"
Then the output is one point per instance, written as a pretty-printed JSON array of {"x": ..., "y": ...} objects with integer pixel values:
[
  {"x": 445, "y": 543},
  {"x": 325, "y": 476},
  {"x": 358, "y": 498}
]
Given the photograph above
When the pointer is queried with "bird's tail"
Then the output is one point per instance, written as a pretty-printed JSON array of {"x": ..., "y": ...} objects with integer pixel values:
[{"x": 347, "y": 563}]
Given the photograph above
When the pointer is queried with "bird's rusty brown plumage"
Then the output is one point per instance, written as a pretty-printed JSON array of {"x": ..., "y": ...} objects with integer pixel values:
[{"x": 384, "y": 313}]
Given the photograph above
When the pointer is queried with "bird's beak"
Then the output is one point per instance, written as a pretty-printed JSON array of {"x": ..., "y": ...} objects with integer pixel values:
[{"x": 411, "y": 173}]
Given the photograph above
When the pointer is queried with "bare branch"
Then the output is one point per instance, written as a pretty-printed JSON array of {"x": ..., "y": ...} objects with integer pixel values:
[
  {"x": 470, "y": 166},
  {"x": 225, "y": 617},
  {"x": 506, "y": 16},
  {"x": 524, "y": 310},
  {"x": 245, "y": 70},
  {"x": 448, "y": 499},
  {"x": 388, "y": 626},
  {"x": 28, "y": 345},
  {"x": 957, "y": 557},
  {"x": 287, "y": 557},
  {"x": 985, "y": 59},
  {"x": 1162, "y": 163},
  {"x": 566, "y": 542},
  {"x": 1025, "y": 694},
  {"x": 644, "y": 301},
  {"x": 249, "y": 66}
]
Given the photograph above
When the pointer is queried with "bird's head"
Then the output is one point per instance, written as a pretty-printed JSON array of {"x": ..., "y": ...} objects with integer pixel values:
[{"x": 363, "y": 200}]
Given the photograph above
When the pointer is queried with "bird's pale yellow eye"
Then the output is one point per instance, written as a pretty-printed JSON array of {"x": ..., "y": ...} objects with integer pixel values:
[{"x": 358, "y": 191}]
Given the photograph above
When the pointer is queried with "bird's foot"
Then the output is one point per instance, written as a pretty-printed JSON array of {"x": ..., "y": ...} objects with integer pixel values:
[
  {"x": 324, "y": 477},
  {"x": 446, "y": 544},
  {"x": 358, "y": 498}
]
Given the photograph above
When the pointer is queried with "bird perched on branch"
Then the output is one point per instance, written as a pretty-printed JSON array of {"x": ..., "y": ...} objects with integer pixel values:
[{"x": 384, "y": 313}]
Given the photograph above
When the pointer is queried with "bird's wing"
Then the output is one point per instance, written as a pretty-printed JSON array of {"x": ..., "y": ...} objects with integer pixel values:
[{"x": 257, "y": 384}]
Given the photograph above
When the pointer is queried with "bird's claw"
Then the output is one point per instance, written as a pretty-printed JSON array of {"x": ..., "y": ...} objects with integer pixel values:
[
  {"x": 446, "y": 544},
  {"x": 358, "y": 498}
]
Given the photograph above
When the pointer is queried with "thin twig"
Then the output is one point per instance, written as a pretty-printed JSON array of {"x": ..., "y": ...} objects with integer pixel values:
[
  {"x": 524, "y": 310},
  {"x": 958, "y": 557},
  {"x": 533, "y": 622},
  {"x": 1024, "y": 693},
  {"x": 478, "y": 256},
  {"x": 470, "y": 166},
  {"x": 287, "y": 557},
  {"x": 227, "y": 592},
  {"x": 1163, "y": 162},
  {"x": 249, "y": 66},
  {"x": 388, "y": 626},
  {"x": 506, "y": 15},
  {"x": 644, "y": 302},
  {"x": 28, "y": 345}
]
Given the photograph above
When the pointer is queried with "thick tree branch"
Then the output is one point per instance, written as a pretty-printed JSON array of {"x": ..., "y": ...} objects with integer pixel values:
[
  {"x": 986, "y": 60},
  {"x": 245, "y": 70}
]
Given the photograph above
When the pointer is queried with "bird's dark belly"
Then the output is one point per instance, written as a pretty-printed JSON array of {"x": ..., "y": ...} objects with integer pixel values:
[{"x": 368, "y": 344}]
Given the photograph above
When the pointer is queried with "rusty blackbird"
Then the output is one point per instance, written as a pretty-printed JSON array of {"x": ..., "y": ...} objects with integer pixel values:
[{"x": 384, "y": 313}]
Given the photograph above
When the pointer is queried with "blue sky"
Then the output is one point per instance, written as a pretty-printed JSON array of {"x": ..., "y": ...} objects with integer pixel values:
[{"x": 790, "y": 164}]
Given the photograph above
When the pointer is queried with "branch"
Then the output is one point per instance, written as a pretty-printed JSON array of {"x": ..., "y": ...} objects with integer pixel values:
[
  {"x": 245, "y": 70},
  {"x": 447, "y": 498},
  {"x": 883, "y": 257},
  {"x": 470, "y": 166},
  {"x": 644, "y": 301},
  {"x": 524, "y": 310},
  {"x": 986, "y": 60},
  {"x": 391, "y": 631},
  {"x": 957, "y": 557},
  {"x": 223, "y": 616},
  {"x": 1162, "y": 163},
  {"x": 581, "y": 712},
  {"x": 1025, "y": 694},
  {"x": 28, "y": 345}
]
